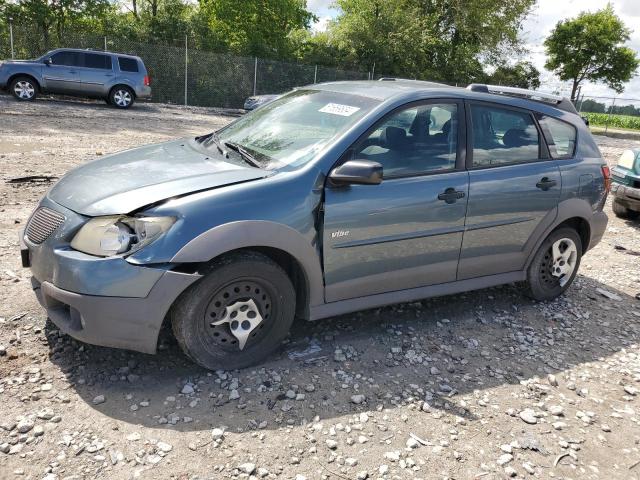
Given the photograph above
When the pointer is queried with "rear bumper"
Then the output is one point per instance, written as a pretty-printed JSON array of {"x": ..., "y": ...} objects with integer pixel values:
[
  {"x": 599, "y": 223},
  {"x": 627, "y": 196},
  {"x": 143, "y": 93},
  {"x": 118, "y": 322}
]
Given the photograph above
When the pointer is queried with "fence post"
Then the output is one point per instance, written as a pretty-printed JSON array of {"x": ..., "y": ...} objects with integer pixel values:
[
  {"x": 606, "y": 126},
  {"x": 11, "y": 37},
  {"x": 105, "y": 43},
  {"x": 186, "y": 68},
  {"x": 315, "y": 75},
  {"x": 255, "y": 75}
]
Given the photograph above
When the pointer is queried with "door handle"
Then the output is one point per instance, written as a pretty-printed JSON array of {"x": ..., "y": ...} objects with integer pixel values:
[
  {"x": 451, "y": 195},
  {"x": 546, "y": 183}
]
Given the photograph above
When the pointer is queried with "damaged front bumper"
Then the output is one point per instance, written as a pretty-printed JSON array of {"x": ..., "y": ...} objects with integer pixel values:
[
  {"x": 119, "y": 322},
  {"x": 627, "y": 196},
  {"x": 102, "y": 301}
]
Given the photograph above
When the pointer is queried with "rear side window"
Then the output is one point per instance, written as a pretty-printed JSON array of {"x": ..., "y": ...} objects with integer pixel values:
[
  {"x": 128, "y": 64},
  {"x": 67, "y": 59},
  {"x": 502, "y": 136},
  {"x": 560, "y": 136},
  {"x": 96, "y": 60}
]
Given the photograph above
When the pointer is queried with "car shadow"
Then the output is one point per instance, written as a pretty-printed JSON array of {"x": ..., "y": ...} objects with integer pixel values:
[{"x": 439, "y": 350}]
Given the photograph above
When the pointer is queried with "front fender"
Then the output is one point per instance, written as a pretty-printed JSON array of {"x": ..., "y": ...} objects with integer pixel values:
[{"x": 257, "y": 233}]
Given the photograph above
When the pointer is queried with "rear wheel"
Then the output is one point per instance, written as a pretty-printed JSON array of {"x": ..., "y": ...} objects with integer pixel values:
[
  {"x": 623, "y": 212},
  {"x": 23, "y": 88},
  {"x": 121, "y": 97},
  {"x": 555, "y": 265},
  {"x": 237, "y": 314}
]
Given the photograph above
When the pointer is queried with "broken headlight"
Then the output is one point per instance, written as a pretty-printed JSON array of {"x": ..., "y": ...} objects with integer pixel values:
[{"x": 114, "y": 235}]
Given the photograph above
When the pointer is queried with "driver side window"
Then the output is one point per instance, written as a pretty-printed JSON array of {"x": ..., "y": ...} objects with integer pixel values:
[{"x": 414, "y": 140}]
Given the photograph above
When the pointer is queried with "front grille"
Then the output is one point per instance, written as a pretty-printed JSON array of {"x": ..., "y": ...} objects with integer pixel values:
[{"x": 42, "y": 224}]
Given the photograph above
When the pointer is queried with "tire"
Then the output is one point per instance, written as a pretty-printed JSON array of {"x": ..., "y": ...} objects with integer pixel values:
[
  {"x": 121, "y": 97},
  {"x": 203, "y": 316},
  {"x": 543, "y": 283},
  {"x": 24, "y": 89},
  {"x": 623, "y": 212}
]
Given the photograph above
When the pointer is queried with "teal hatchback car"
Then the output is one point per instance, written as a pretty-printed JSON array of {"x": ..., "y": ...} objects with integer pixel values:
[
  {"x": 333, "y": 198},
  {"x": 626, "y": 185}
]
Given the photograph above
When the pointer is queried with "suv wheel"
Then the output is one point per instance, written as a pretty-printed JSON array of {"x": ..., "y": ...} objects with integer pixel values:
[
  {"x": 23, "y": 88},
  {"x": 623, "y": 212},
  {"x": 121, "y": 97},
  {"x": 237, "y": 314},
  {"x": 555, "y": 265}
]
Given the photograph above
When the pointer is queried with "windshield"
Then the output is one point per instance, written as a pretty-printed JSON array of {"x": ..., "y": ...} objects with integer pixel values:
[{"x": 289, "y": 131}]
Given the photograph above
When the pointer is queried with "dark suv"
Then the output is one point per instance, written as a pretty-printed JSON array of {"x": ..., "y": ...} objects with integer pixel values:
[
  {"x": 333, "y": 198},
  {"x": 117, "y": 78}
]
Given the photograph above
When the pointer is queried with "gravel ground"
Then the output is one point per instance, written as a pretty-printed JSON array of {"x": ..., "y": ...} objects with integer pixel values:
[{"x": 486, "y": 385}]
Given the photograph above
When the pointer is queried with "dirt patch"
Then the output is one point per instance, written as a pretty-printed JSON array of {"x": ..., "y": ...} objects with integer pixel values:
[{"x": 486, "y": 384}]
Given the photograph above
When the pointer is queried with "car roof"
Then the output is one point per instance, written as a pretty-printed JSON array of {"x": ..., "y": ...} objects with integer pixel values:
[
  {"x": 388, "y": 89},
  {"x": 379, "y": 89},
  {"x": 90, "y": 50}
]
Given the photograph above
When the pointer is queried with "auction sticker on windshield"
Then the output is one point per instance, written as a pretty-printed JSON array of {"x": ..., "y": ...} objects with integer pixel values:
[{"x": 338, "y": 109}]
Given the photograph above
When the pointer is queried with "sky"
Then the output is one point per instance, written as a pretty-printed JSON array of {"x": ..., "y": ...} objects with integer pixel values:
[{"x": 537, "y": 27}]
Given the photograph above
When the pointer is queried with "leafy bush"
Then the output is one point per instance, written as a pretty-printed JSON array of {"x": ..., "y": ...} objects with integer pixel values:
[{"x": 614, "y": 121}]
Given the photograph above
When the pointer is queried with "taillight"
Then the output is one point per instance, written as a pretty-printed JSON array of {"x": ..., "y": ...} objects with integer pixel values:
[
  {"x": 606, "y": 173},
  {"x": 147, "y": 81}
]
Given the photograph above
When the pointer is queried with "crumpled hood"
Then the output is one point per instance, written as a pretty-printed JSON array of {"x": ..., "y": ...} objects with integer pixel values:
[{"x": 126, "y": 181}]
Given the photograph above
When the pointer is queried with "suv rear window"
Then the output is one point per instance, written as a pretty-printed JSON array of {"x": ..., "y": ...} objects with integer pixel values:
[
  {"x": 128, "y": 64},
  {"x": 502, "y": 136},
  {"x": 560, "y": 136},
  {"x": 96, "y": 60}
]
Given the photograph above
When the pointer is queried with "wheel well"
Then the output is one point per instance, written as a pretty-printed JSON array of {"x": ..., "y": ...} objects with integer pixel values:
[
  {"x": 33, "y": 79},
  {"x": 133, "y": 92},
  {"x": 581, "y": 226},
  {"x": 288, "y": 263}
]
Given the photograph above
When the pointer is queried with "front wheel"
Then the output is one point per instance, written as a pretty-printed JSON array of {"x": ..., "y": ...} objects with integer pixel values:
[
  {"x": 237, "y": 314},
  {"x": 555, "y": 265},
  {"x": 24, "y": 89}
]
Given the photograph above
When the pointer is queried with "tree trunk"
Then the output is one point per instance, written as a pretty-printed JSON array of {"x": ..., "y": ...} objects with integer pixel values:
[
  {"x": 574, "y": 89},
  {"x": 134, "y": 4}
]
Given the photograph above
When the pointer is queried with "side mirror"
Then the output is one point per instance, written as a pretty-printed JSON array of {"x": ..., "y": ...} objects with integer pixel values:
[
  {"x": 357, "y": 172},
  {"x": 48, "y": 62}
]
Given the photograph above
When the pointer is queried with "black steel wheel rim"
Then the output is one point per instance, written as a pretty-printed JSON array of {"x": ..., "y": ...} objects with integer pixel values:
[{"x": 216, "y": 337}]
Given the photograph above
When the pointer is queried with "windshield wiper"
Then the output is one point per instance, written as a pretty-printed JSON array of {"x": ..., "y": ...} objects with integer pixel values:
[{"x": 246, "y": 156}]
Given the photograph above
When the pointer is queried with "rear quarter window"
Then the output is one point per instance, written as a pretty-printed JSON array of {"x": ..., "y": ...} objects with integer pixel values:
[
  {"x": 128, "y": 64},
  {"x": 560, "y": 136}
]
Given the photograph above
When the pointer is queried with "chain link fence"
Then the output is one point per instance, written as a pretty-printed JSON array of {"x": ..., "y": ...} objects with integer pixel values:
[
  {"x": 617, "y": 113},
  {"x": 181, "y": 75}
]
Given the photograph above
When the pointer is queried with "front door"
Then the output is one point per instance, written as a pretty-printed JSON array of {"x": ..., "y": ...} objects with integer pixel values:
[
  {"x": 61, "y": 74},
  {"x": 407, "y": 231},
  {"x": 514, "y": 189}
]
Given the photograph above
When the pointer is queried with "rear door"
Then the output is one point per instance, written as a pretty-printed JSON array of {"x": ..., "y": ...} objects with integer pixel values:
[
  {"x": 61, "y": 75},
  {"x": 514, "y": 189},
  {"x": 96, "y": 74},
  {"x": 407, "y": 231}
]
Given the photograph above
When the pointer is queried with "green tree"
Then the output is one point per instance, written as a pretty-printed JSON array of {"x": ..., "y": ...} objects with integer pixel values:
[
  {"x": 256, "y": 27},
  {"x": 438, "y": 39},
  {"x": 522, "y": 74},
  {"x": 591, "y": 47}
]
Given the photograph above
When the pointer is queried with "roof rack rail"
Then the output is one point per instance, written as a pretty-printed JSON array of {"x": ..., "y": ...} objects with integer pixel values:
[{"x": 556, "y": 100}]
